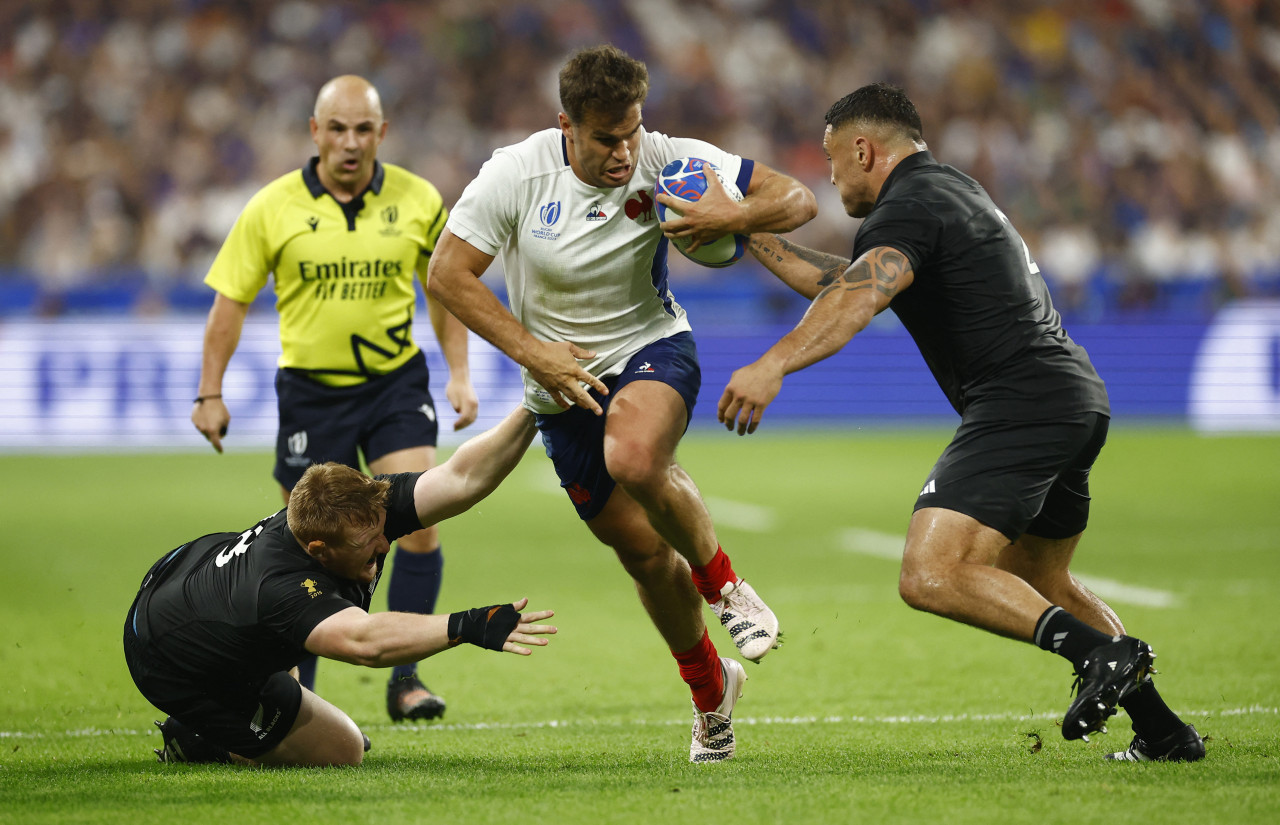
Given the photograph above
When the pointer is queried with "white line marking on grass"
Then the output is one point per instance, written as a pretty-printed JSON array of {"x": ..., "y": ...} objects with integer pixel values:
[
  {"x": 889, "y": 546},
  {"x": 912, "y": 719},
  {"x": 1113, "y": 591},
  {"x": 871, "y": 543},
  {"x": 740, "y": 515}
]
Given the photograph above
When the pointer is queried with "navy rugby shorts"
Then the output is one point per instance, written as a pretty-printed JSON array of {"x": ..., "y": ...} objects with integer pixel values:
[
  {"x": 1019, "y": 476},
  {"x": 319, "y": 423},
  {"x": 574, "y": 439}
]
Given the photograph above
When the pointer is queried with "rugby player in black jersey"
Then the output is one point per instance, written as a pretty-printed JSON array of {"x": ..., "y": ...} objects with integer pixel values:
[
  {"x": 219, "y": 623},
  {"x": 1001, "y": 513}
]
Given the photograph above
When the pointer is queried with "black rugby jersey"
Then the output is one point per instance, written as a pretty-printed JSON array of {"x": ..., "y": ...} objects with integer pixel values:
[
  {"x": 238, "y": 607},
  {"x": 977, "y": 308}
]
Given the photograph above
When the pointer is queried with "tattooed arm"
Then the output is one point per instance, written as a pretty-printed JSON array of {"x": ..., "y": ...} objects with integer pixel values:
[
  {"x": 843, "y": 308},
  {"x": 807, "y": 271}
]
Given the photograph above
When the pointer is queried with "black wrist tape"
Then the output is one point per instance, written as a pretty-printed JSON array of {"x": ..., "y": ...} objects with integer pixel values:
[{"x": 486, "y": 627}]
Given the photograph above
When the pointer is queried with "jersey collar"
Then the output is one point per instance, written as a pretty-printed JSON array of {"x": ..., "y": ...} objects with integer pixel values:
[
  {"x": 912, "y": 161},
  {"x": 312, "y": 179}
]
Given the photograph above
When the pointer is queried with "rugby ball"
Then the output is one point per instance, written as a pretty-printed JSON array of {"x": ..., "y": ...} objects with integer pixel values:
[{"x": 685, "y": 178}]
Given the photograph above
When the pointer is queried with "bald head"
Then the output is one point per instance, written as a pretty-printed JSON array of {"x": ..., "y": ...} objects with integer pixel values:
[
  {"x": 345, "y": 93},
  {"x": 347, "y": 127}
]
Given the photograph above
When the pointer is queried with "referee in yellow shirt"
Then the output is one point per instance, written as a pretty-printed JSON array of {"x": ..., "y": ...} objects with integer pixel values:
[{"x": 344, "y": 237}]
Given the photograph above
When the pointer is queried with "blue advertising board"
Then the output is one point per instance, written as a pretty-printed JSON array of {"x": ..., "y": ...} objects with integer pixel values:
[{"x": 127, "y": 383}]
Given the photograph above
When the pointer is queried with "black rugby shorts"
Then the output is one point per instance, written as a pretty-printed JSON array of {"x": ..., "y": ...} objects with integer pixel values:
[
  {"x": 247, "y": 718},
  {"x": 1019, "y": 476}
]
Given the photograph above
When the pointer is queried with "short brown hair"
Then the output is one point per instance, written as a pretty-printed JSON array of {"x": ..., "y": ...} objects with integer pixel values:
[
  {"x": 333, "y": 499},
  {"x": 602, "y": 80}
]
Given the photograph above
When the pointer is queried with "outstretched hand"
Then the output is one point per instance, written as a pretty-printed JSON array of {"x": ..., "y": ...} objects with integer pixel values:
[{"x": 528, "y": 633}]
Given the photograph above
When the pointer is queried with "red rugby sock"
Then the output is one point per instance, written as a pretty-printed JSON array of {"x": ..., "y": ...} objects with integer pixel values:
[
  {"x": 714, "y": 575},
  {"x": 700, "y": 669}
]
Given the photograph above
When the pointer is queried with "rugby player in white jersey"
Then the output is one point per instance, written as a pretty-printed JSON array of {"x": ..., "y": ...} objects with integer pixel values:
[{"x": 609, "y": 362}]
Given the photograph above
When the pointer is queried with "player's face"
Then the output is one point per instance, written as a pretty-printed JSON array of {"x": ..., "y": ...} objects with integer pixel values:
[
  {"x": 848, "y": 172},
  {"x": 358, "y": 559},
  {"x": 347, "y": 130},
  {"x": 602, "y": 150}
]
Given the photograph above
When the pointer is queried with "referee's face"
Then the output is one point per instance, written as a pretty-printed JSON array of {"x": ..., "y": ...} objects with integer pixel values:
[
  {"x": 358, "y": 558},
  {"x": 347, "y": 129}
]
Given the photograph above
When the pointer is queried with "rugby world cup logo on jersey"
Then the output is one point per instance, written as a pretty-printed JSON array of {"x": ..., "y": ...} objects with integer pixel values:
[
  {"x": 549, "y": 215},
  {"x": 389, "y": 216}
]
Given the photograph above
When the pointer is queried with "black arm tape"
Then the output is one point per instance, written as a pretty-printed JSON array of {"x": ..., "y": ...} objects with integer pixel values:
[{"x": 486, "y": 627}]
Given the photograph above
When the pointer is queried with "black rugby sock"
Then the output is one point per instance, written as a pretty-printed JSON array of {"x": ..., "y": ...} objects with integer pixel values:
[
  {"x": 1151, "y": 717},
  {"x": 1059, "y": 632}
]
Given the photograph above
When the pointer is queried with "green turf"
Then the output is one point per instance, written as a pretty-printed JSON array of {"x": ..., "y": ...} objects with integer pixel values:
[{"x": 870, "y": 712}]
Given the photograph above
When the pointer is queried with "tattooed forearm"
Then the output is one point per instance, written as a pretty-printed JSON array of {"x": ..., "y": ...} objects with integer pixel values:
[{"x": 779, "y": 249}]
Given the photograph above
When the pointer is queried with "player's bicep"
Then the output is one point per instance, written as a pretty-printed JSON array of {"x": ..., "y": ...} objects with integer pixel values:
[
  {"x": 879, "y": 274},
  {"x": 339, "y": 636},
  {"x": 456, "y": 256}
]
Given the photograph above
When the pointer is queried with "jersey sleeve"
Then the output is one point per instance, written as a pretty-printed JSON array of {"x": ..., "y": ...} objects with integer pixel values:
[
  {"x": 486, "y": 215},
  {"x": 909, "y": 229},
  {"x": 431, "y": 238},
  {"x": 292, "y": 604},
  {"x": 402, "y": 513},
  {"x": 245, "y": 260}
]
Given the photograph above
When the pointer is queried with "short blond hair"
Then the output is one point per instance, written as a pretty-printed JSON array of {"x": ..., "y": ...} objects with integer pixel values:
[{"x": 332, "y": 500}]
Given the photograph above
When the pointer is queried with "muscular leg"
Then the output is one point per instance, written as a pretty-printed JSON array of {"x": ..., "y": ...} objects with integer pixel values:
[
  {"x": 661, "y": 575},
  {"x": 948, "y": 568},
  {"x": 321, "y": 735},
  {"x": 646, "y": 421},
  {"x": 1042, "y": 563}
]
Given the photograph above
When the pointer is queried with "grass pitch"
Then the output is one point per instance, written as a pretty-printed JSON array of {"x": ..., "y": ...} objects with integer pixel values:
[{"x": 870, "y": 712}]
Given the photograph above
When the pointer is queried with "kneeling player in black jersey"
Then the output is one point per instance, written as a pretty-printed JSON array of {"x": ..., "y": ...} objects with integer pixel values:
[
  {"x": 999, "y": 516},
  {"x": 219, "y": 623}
]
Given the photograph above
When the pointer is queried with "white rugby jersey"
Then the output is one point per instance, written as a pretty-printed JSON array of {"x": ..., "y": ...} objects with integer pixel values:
[{"x": 582, "y": 264}]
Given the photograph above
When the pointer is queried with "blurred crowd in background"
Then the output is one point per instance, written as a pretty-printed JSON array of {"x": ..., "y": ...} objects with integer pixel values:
[{"x": 1134, "y": 143}]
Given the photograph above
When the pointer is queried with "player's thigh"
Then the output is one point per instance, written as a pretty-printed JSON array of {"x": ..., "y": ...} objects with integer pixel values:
[
  {"x": 321, "y": 734},
  {"x": 652, "y": 402},
  {"x": 938, "y": 539},
  {"x": 645, "y": 422}
]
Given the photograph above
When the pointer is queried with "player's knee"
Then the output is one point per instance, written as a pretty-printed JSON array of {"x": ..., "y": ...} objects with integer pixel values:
[
  {"x": 647, "y": 560},
  {"x": 634, "y": 468},
  {"x": 344, "y": 751},
  {"x": 919, "y": 587}
]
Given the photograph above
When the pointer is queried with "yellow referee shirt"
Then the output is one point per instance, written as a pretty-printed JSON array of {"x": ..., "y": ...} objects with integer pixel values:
[{"x": 344, "y": 273}]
